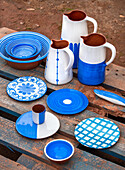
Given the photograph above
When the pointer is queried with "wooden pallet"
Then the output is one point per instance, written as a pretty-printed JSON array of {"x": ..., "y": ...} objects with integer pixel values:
[{"x": 32, "y": 150}]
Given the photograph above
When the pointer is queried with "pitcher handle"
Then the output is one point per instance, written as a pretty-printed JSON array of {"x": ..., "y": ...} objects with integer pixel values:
[
  {"x": 94, "y": 23},
  {"x": 71, "y": 58},
  {"x": 113, "y": 49}
]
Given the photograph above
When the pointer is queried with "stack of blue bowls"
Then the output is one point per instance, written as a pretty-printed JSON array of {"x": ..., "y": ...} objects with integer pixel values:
[{"x": 24, "y": 50}]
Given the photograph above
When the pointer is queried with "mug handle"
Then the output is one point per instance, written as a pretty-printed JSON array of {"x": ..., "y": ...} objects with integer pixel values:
[
  {"x": 71, "y": 58},
  {"x": 94, "y": 23},
  {"x": 113, "y": 49}
]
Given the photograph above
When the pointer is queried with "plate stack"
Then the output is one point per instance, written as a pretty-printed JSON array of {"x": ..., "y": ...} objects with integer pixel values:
[{"x": 24, "y": 50}]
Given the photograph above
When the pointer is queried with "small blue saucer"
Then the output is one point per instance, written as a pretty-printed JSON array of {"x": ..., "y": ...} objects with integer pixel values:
[
  {"x": 59, "y": 150},
  {"x": 26, "y": 127},
  {"x": 26, "y": 88},
  {"x": 98, "y": 133},
  {"x": 67, "y": 101}
]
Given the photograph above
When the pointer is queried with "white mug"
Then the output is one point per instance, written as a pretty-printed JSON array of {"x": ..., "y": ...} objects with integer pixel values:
[
  {"x": 59, "y": 63},
  {"x": 74, "y": 25}
]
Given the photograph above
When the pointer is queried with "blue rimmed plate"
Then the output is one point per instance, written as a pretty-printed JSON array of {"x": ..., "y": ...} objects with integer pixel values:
[
  {"x": 26, "y": 88},
  {"x": 26, "y": 127},
  {"x": 98, "y": 133},
  {"x": 67, "y": 101}
]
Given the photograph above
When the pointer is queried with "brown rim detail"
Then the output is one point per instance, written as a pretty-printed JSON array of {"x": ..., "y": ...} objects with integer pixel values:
[
  {"x": 59, "y": 44},
  {"x": 94, "y": 39},
  {"x": 76, "y": 15},
  {"x": 38, "y": 108}
]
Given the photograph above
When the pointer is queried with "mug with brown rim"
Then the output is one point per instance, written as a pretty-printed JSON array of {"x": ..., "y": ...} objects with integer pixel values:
[{"x": 91, "y": 67}]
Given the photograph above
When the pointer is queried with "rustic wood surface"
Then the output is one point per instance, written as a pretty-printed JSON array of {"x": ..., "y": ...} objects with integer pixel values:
[
  {"x": 11, "y": 109},
  {"x": 6, "y": 164}
]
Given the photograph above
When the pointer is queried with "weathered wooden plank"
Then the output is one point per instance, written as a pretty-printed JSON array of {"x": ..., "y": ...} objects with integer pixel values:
[
  {"x": 34, "y": 164},
  {"x": 6, "y": 164},
  {"x": 35, "y": 148},
  {"x": 113, "y": 109},
  {"x": 67, "y": 122}
]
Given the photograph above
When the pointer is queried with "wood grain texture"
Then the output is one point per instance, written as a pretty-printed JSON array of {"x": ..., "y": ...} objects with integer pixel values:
[
  {"x": 115, "y": 110},
  {"x": 35, "y": 148},
  {"x": 6, "y": 164},
  {"x": 68, "y": 123},
  {"x": 34, "y": 164}
]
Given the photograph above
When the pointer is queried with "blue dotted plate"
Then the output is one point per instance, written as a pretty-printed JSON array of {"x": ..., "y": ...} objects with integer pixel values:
[
  {"x": 26, "y": 127},
  {"x": 26, "y": 88},
  {"x": 97, "y": 133},
  {"x": 67, "y": 101}
]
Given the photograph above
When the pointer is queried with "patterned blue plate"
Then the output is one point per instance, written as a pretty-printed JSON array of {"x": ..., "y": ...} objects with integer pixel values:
[
  {"x": 97, "y": 133},
  {"x": 67, "y": 101},
  {"x": 26, "y": 88},
  {"x": 26, "y": 127}
]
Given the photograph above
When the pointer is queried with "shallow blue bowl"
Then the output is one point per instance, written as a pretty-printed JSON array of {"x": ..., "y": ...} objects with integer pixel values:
[
  {"x": 16, "y": 48},
  {"x": 59, "y": 150},
  {"x": 28, "y": 64}
]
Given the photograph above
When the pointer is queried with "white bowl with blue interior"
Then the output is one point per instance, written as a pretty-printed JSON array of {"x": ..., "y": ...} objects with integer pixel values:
[
  {"x": 59, "y": 150},
  {"x": 28, "y": 64}
]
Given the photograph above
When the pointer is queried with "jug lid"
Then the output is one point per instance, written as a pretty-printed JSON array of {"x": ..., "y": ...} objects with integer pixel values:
[
  {"x": 76, "y": 15},
  {"x": 94, "y": 39},
  {"x": 59, "y": 44}
]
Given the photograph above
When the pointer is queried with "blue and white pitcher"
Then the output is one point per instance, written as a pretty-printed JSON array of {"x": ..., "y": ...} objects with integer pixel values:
[
  {"x": 74, "y": 25},
  {"x": 59, "y": 63},
  {"x": 91, "y": 67}
]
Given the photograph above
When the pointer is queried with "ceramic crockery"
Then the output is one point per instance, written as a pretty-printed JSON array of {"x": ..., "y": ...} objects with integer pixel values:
[
  {"x": 59, "y": 63},
  {"x": 111, "y": 97},
  {"x": 23, "y": 48},
  {"x": 26, "y": 126},
  {"x": 67, "y": 101},
  {"x": 98, "y": 133},
  {"x": 26, "y": 88},
  {"x": 59, "y": 150},
  {"x": 74, "y": 25},
  {"x": 29, "y": 64},
  {"x": 91, "y": 67},
  {"x": 38, "y": 113}
]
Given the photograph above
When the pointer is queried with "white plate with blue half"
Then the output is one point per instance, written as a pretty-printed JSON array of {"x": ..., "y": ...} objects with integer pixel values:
[
  {"x": 26, "y": 127},
  {"x": 26, "y": 88},
  {"x": 98, "y": 133}
]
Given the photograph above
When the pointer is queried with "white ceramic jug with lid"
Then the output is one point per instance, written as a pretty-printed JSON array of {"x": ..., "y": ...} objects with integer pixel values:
[
  {"x": 59, "y": 63},
  {"x": 74, "y": 25}
]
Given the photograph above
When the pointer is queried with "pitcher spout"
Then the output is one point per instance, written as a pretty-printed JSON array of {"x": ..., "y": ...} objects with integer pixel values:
[
  {"x": 59, "y": 44},
  {"x": 76, "y": 15}
]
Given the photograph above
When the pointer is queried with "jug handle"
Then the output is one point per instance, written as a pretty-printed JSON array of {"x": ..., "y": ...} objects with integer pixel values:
[
  {"x": 113, "y": 49},
  {"x": 94, "y": 23},
  {"x": 71, "y": 58}
]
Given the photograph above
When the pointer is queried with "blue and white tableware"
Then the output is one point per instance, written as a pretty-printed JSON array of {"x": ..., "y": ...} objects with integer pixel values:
[
  {"x": 26, "y": 126},
  {"x": 26, "y": 88},
  {"x": 38, "y": 113},
  {"x": 111, "y": 97},
  {"x": 91, "y": 67},
  {"x": 74, "y": 25},
  {"x": 67, "y": 101},
  {"x": 59, "y": 150},
  {"x": 59, "y": 63},
  {"x": 23, "y": 48},
  {"x": 98, "y": 133},
  {"x": 28, "y": 64}
]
